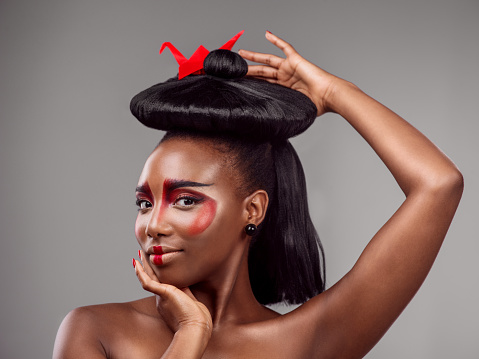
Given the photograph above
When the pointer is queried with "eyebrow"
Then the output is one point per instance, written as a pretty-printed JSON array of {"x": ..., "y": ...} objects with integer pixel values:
[
  {"x": 172, "y": 184},
  {"x": 144, "y": 188}
]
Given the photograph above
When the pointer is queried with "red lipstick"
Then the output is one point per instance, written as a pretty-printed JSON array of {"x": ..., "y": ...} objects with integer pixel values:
[
  {"x": 160, "y": 255},
  {"x": 157, "y": 249},
  {"x": 156, "y": 259}
]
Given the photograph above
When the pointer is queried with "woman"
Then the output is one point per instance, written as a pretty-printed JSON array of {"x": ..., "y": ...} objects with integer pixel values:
[{"x": 197, "y": 214}]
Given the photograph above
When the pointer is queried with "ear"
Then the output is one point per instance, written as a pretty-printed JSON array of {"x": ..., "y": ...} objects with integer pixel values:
[{"x": 256, "y": 205}]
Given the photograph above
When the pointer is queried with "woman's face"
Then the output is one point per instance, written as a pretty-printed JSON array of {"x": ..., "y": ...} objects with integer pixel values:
[{"x": 190, "y": 219}]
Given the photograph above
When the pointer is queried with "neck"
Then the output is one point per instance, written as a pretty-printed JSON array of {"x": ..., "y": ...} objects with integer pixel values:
[{"x": 228, "y": 295}]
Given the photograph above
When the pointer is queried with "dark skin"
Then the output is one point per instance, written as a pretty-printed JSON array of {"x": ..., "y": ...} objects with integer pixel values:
[{"x": 203, "y": 306}]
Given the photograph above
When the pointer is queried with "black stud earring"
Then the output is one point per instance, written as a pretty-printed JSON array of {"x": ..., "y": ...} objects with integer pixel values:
[{"x": 250, "y": 229}]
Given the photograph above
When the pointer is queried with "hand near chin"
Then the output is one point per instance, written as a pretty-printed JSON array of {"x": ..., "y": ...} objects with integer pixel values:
[
  {"x": 294, "y": 72},
  {"x": 178, "y": 307}
]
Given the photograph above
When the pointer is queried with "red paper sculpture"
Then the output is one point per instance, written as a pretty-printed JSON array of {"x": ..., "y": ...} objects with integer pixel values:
[{"x": 195, "y": 63}]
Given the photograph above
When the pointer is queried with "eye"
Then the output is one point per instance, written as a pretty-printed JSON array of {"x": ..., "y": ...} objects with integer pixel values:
[
  {"x": 186, "y": 201},
  {"x": 143, "y": 204}
]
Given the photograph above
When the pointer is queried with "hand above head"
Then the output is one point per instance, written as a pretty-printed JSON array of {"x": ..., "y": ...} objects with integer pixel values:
[{"x": 293, "y": 72}]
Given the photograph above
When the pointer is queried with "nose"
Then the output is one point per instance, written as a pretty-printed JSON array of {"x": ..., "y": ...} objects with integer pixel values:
[{"x": 157, "y": 225}]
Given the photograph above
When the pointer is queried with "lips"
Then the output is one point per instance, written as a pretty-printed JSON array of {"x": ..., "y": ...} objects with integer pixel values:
[
  {"x": 162, "y": 250},
  {"x": 160, "y": 255}
]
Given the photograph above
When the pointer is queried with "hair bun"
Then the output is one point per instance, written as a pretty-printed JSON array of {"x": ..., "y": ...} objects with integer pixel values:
[{"x": 225, "y": 64}]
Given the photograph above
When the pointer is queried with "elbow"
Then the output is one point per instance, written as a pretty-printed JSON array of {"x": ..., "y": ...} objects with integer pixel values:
[
  {"x": 457, "y": 184},
  {"x": 448, "y": 182},
  {"x": 453, "y": 181},
  {"x": 457, "y": 181}
]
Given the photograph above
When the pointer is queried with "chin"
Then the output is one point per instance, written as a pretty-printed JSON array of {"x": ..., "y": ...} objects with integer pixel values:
[{"x": 173, "y": 277}]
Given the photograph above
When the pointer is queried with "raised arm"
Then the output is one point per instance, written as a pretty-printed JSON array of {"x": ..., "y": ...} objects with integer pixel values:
[{"x": 354, "y": 314}]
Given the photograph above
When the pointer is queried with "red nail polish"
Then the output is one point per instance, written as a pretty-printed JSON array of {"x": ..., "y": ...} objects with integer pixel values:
[
  {"x": 134, "y": 263},
  {"x": 139, "y": 253}
]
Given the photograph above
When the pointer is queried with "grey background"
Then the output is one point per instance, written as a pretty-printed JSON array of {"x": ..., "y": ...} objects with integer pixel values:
[{"x": 71, "y": 153}]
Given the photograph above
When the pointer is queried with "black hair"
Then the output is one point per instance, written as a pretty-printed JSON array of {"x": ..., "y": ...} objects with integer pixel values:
[
  {"x": 212, "y": 103},
  {"x": 251, "y": 120}
]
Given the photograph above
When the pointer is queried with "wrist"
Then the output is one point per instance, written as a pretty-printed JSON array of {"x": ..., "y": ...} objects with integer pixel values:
[
  {"x": 190, "y": 341},
  {"x": 200, "y": 332},
  {"x": 334, "y": 99}
]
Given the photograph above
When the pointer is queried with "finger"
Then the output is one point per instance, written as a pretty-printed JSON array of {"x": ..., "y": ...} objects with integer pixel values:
[
  {"x": 262, "y": 71},
  {"x": 280, "y": 43},
  {"x": 267, "y": 59},
  {"x": 148, "y": 284},
  {"x": 146, "y": 265}
]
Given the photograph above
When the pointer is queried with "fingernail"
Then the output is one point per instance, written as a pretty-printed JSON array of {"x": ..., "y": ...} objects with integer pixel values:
[
  {"x": 139, "y": 253},
  {"x": 268, "y": 32},
  {"x": 134, "y": 263}
]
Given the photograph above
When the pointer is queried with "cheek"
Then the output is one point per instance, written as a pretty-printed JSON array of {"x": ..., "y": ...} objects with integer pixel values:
[
  {"x": 203, "y": 219},
  {"x": 139, "y": 227}
]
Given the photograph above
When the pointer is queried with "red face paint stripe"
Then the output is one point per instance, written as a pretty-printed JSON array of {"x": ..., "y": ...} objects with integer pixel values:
[{"x": 164, "y": 198}]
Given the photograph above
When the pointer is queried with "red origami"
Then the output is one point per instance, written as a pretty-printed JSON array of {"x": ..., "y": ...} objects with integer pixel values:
[{"x": 195, "y": 62}]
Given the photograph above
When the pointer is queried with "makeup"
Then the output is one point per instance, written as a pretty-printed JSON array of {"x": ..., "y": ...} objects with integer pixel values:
[
  {"x": 156, "y": 256},
  {"x": 172, "y": 189},
  {"x": 161, "y": 259},
  {"x": 189, "y": 212},
  {"x": 204, "y": 218},
  {"x": 156, "y": 259},
  {"x": 158, "y": 250}
]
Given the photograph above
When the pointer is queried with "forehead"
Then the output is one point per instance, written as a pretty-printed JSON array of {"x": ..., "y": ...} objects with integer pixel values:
[{"x": 184, "y": 159}]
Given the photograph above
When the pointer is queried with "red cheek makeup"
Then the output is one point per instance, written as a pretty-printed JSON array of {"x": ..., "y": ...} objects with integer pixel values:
[{"x": 204, "y": 218}]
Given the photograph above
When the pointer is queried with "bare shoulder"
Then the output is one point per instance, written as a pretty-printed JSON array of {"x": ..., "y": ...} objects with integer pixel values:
[
  {"x": 112, "y": 311},
  {"x": 108, "y": 330},
  {"x": 109, "y": 317}
]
